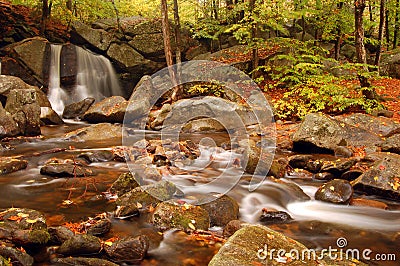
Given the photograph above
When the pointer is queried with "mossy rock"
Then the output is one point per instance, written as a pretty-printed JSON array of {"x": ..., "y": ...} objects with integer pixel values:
[
  {"x": 148, "y": 195},
  {"x": 80, "y": 245},
  {"x": 221, "y": 208},
  {"x": 186, "y": 217},
  {"x": 125, "y": 183}
]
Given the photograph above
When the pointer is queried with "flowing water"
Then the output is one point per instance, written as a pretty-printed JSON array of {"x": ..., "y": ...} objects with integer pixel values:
[
  {"x": 316, "y": 224},
  {"x": 95, "y": 78}
]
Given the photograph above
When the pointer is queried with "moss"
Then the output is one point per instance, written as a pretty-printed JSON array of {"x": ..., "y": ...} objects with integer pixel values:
[{"x": 39, "y": 236}]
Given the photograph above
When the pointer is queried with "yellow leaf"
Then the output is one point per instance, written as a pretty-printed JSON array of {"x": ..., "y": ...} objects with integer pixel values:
[
  {"x": 22, "y": 215},
  {"x": 108, "y": 243},
  {"x": 191, "y": 226},
  {"x": 29, "y": 221}
]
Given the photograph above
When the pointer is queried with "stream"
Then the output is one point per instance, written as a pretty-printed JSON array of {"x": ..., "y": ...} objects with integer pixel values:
[{"x": 316, "y": 224}]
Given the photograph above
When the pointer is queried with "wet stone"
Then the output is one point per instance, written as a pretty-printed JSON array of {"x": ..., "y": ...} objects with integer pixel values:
[
  {"x": 83, "y": 262},
  {"x": 274, "y": 217},
  {"x": 148, "y": 195},
  {"x": 300, "y": 160},
  {"x": 16, "y": 256},
  {"x": 97, "y": 226},
  {"x": 335, "y": 191},
  {"x": 338, "y": 167},
  {"x": 324, "y": 176},
  {"x": 130, "y": 250},
  {"x": 221, "y": 208},
  {"x": 97, "y": 156},
  {"x": 125, "y": 183},
  {"x": 59, "y": 234},
  {"x": 9, "y": 165},
  {"x": 77, "y": 109},
  {"x": 351, "y": 175},
  {"x": 49, "y": 117},
  {"x": 172, "y": 214},
  {"x": 392, "y": 144},
  {"x": 80, "y": 245},
  {"x": 124, "y": 212},
  {"x": 368, "y": 203},
  {"x": 341, "y": 151},
  {"x": 66, "y": 170},
  {"x": 232, "y": 227}
]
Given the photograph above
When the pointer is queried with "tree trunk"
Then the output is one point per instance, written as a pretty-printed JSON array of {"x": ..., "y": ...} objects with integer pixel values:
[
  {"x": 69, "y": 5},
  {"x": 387, "y": 35},
  {"x": 396, "y": 24},
  {"x": 253, "y": 37},
  {"x": 168, "y": 49},
  {"x": 359, "y": 7},
  {"x": 382, "y": 12},
  {"x": 338, "y": 41},
  {"x": 46, "y": 9}
]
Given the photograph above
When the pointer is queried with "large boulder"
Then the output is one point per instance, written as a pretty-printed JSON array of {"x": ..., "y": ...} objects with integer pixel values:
[
  {"x": 390, "y": 64},
  {"x": 32, "y": 54},
  {"x": 8, "y": 83},
  {"x": 259, "y": 245},
  {"x": 320, "y": 133},
  {"x": 75, "y": 110},
  {"x": 382, "y": 179},
  {"x": 8, "y": 127},
  {"x": 95, "y": 132},
  {"x": 22, "y": 104},
  {"x": 111, "y": 110},
  {"x": 98, "y": 39}
]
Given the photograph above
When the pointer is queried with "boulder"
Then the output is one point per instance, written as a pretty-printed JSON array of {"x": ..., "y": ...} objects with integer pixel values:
[
  {"x": 221, "y": 208},
  {"x": 253, "y": 244},
  {"x": 9, "y": 165},
  {"x": 390, "y": 64},
  {"x": 32, "y": 53},
  {"x": 381, "y": 179},
  {"x": 130, "y": 250},
  {"x": 125, "y": 183},
  {"x": 109, "y": 110},
  {"x": 95, "y": 132},
  {"x": 49, "y": 117},
  {"x": 125, "y": 56},
  {"x": 335, "y": 191},
  {"x": 98, "y": 39},
  {"x": 203, "y": 125},
  {"x": 82, "y": 261},
  {"x": 24, "y": 227},
  {"x": 15, "y": 255},
  {"x": 80, "y": 244},
  {"x": 22, "y": 104},
  {"x": 8, "y": 127},
  {"x": 380, "y": 126},
  {"x": 97, "y": 156},
  {"x": 75, "y": 110},
  {"x": 59, "y": 234},
  {"x": 148, "y": 195},
  {"x": 69, "y": 169},
  {"x": 274, "y": 217},
  {"x": 174, "y": 214},
  {"x": 8, "y": 83},
  {"x": 320, "y": 133},
  {"x": 151, "y": 45},
  {"x": 392, "y": 144}
]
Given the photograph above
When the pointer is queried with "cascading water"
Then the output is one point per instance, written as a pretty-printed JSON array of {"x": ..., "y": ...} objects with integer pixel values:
[
  {"x": 95, "y": 78},
  {"x": 57, "y": 96}
]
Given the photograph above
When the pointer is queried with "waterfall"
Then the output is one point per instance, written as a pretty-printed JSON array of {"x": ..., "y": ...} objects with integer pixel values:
[
  {"x": 95, "y": 78},
  {"x": 57, "y": 96}
]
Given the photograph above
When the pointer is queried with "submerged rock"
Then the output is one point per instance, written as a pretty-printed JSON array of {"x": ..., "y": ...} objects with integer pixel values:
[
  {"x": 171, "y": 214},
  {"x": 9, "y": 165},
  {"x": 221, "y": 208},
  {"x": 382, "y": 179},
  {"x": 130, "y": 250},
  {"x": 75, "y": 110},
  {"x": 80, "y": 245},
  {"x": 335, "y": 191},
  {"x": 109, "y": 110}
]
